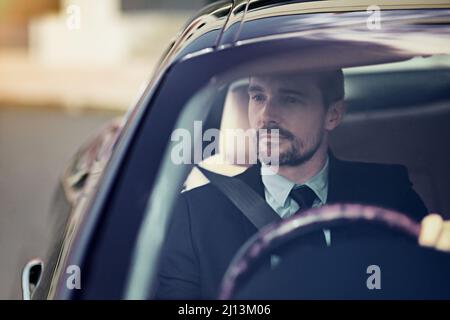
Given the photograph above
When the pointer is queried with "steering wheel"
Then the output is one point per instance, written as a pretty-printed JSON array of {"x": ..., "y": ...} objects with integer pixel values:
[{"x": 370, "y": 253}]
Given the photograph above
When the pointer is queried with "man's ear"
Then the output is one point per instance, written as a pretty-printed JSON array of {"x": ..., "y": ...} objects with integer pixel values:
[{"x": 335, "y": 114}]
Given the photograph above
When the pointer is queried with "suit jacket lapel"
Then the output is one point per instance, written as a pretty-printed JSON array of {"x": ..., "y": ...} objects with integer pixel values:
[{"x": 342, "y": 186}]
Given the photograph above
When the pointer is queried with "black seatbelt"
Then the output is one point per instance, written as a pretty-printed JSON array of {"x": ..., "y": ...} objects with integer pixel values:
[{"x": 247, "y": 200}]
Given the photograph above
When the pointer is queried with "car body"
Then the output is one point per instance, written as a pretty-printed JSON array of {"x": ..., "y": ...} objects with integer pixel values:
[{"x": 101, "y": 201}]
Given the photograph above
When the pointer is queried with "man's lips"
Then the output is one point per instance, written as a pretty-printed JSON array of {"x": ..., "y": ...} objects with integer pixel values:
[{"x": 269, "y": 136}]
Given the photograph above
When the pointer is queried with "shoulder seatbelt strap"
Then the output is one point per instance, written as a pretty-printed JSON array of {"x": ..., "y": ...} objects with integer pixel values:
[{"x": 247, "y": 200}]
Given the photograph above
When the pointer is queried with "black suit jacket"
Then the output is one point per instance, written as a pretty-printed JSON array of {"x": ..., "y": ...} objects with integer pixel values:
[{"x": 207, "y": 230}]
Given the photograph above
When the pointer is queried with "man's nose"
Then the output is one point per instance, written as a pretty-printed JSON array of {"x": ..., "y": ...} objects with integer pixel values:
[{"x": 269, "y": 111}]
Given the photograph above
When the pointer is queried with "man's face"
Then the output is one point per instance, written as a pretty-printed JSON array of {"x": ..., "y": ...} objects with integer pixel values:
[{"x": 293, "y": 105}]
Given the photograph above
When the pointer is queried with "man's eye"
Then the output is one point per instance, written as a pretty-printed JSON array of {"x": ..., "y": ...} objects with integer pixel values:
[
  {"x": 291, "y": 100},
  {"x": 259, "y": 98}
]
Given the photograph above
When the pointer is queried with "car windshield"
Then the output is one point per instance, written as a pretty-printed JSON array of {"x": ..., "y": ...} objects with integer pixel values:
[{"x": 363, "y": 123}]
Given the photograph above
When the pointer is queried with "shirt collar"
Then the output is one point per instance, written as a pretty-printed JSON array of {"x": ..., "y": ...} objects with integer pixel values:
[{"x": 279, "y": 187}]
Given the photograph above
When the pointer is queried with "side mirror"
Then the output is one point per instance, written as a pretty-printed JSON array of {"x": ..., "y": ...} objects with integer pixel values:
[
  {"x": 31, "y": 276},
  {"x": 90, "y": 159}
]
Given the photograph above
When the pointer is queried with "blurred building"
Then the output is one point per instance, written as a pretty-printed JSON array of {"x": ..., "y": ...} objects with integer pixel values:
[
  {"x": 14, "y": 18},
  {"x": 84, "y": 54},
  {"x": 107, "y": 32}
]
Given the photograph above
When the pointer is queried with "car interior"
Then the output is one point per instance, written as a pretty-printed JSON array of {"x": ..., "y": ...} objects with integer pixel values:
[
  {"x": 398, "y": 110},
  {"x": 398, "y": 117}
]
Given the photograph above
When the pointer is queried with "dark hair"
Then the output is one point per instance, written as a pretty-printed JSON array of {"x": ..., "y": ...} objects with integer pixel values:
[{"x": 331, "y": 84}]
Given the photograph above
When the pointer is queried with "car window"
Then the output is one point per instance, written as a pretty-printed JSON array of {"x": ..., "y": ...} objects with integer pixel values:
[{"x": 371, "y": 132}]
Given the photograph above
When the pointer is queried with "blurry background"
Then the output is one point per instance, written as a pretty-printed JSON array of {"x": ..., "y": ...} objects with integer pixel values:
[{"x": 66, "y": 68}]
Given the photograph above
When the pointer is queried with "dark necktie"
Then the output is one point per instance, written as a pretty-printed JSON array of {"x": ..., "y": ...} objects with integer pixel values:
[{"x": 304, "y": 196}]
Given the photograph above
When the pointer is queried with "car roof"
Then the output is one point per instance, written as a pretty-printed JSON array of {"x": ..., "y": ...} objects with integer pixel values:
[
  {"x": 227, "y": 23},
  {"x": 212, "y": 17},
  {"x": 263, "y": 19}
]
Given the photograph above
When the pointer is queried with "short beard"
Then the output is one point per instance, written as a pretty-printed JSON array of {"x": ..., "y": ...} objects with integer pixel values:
[{"x": 293, "y": 157}]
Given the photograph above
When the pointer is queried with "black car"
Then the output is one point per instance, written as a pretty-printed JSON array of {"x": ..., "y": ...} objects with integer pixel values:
[{"x": 115, "y": 202}]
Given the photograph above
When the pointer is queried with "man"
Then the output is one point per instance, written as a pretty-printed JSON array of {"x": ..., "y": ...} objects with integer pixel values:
[{"x": 207, "y": 229}]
